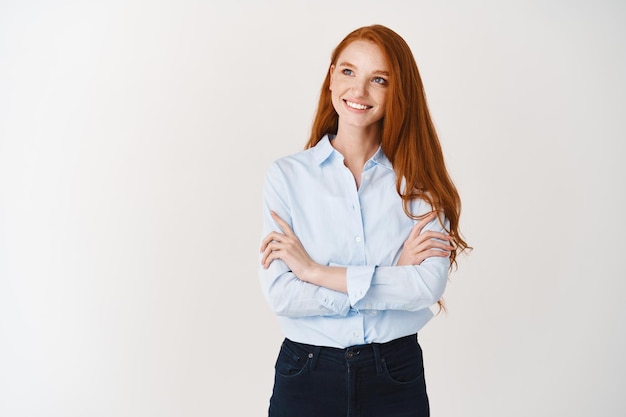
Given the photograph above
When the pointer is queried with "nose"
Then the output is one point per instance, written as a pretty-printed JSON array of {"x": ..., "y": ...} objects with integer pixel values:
[{"x": 359, "y": 87}]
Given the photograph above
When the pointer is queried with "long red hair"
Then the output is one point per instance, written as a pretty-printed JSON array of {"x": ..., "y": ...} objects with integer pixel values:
[{"x": 408, "y": 136}]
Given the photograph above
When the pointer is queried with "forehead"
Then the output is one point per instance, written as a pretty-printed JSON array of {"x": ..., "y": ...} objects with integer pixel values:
[{"x": 363, "y": 53}]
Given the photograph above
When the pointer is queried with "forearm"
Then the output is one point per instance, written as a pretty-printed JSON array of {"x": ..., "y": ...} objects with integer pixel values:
[
  {"x": 411, "y": 287},
  {"x": 331, "y": 277}
]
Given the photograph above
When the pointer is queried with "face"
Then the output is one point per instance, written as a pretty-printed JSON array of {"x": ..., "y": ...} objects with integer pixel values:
[{"x": 359, "y": 83}]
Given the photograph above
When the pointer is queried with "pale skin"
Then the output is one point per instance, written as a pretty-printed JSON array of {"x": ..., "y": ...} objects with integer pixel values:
[{"x": 358, "y": 84}]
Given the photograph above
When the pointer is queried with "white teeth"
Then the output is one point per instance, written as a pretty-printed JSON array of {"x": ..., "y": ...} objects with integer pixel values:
[{"x": 357, "y": 105}]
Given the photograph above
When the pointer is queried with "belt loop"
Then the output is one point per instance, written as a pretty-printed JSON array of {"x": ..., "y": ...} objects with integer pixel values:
[
  {"x": 377, "y": 359},
  {"x": 314, "y": 356}
]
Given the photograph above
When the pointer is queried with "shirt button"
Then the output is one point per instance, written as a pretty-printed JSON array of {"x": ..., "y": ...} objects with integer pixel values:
[
  {"x": 356, "y": 334},
  {"x": 368, "y": 306},
  {"x": 357, "y": 239}
]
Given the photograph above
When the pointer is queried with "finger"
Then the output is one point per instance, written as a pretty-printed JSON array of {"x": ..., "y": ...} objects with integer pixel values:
[
  {"x": 266, "y": 240},
  {"x": 436, "y": 252},
  {"x": 270, "y": 254},
  {"x": 429, "y": 242},
  {"x": 282, "y": 224},
  {"x": 428, "y": 218},
  {"x": 430, "y": 254},
  {"x": 266, "y": 261},
  {"x": 433, "y": 244},
  {"x": 272, "y": 237},
  {"x": 425, "y": 240},
  {"x": 266, "y": 254},
  {"x": 415, "y": 232},
  {"x": 431, "y": 234},
  {"x": 417, "y": 229}
]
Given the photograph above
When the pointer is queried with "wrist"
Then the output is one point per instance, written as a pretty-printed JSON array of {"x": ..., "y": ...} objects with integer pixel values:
[
  {"x": 312, "y": 273},
  {"x": 331, "y": 277}
]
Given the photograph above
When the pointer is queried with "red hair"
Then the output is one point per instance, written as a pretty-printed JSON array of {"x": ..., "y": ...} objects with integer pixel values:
[{"x": 408, "y": 136}]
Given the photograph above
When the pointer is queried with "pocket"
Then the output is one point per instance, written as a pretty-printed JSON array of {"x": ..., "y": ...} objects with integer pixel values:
[
  {"x": 289, "y": 362},
  {"x": 404, "y": 367}
]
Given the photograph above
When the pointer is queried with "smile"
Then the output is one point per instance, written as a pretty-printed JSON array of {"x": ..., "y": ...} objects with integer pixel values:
[{"x": 357, "y": 106}]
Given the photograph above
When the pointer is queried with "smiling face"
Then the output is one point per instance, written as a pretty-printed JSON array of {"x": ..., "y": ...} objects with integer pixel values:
[{"x": 358, "y": 84}]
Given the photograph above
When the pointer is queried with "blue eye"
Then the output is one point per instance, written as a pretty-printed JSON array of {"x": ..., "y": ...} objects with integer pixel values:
[
  {"x": 380, "y": 80},
  {"x": 346, "y": 71}
]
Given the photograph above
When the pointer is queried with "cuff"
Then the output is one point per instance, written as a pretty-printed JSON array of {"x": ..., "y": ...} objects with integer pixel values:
[
  {"x": 334, "y": 301},
  {"x": 359, "y": 279}
]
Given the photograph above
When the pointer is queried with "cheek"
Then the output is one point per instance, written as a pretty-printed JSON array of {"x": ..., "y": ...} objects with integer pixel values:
[
  {"x": 382, "y": 99},
  {"x": 335, "y": 93},
  {"x": 334, "y": 100}
]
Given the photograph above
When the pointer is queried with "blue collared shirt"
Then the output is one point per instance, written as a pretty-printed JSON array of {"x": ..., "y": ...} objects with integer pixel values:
[{"x": 363, "y": 230}]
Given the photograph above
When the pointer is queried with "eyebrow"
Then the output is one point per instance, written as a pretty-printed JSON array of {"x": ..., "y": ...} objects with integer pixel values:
[{"x": 378, "y": 72}]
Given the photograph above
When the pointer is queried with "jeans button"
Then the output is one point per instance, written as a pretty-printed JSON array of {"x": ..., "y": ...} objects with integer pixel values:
[{"x": 349, "y": 354}]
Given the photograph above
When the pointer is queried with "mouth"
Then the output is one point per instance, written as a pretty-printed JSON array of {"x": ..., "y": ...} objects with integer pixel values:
[{"x": 357, "y": 106}]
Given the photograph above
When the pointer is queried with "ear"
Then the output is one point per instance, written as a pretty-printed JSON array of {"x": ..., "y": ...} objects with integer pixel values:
[{"x": 330, "y": 73}]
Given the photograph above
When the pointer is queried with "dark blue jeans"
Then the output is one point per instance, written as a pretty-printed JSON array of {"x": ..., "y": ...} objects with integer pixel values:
[{"x": 374, "y": 380}]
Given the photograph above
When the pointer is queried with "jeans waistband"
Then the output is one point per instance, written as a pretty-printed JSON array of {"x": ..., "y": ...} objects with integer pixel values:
[{"x": 371, "y": 352}]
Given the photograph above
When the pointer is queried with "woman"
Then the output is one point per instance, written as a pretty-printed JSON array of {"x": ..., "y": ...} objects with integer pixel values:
[{"x": 360, "y": 232}]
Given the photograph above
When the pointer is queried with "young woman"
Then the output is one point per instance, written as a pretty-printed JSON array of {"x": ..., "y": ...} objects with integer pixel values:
[{"x": 360, "y": 232}]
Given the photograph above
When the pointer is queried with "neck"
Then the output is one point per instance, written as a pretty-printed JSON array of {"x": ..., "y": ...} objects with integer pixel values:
[{"x": 357, "y": 145}]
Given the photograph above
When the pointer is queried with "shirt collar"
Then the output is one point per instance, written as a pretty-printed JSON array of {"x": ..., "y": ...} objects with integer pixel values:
[
  {"x": 380, "y": 158},
  {"x": 323, "y": 150}
]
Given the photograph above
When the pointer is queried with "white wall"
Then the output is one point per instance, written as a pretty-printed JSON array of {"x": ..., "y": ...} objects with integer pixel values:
[{"x": 134, "y": 136}]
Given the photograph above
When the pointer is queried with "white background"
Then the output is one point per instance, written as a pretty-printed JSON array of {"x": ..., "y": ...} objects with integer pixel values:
[{"x": 134, "y": 136}]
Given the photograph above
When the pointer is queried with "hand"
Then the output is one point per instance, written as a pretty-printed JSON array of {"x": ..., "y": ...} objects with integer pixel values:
[
  {"x": 286, "y": 246},
  {"x": 419, "y": 246}
]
